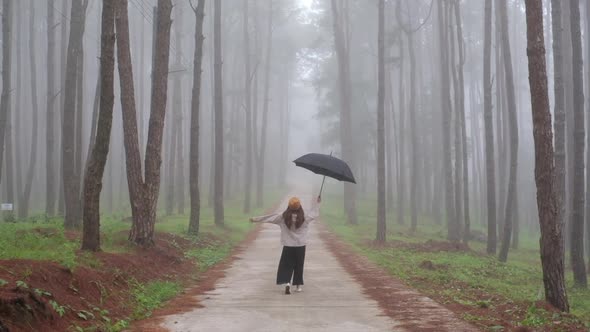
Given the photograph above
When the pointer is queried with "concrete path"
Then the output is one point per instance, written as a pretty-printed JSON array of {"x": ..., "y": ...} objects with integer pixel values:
[{"x": 247, "y": 299}]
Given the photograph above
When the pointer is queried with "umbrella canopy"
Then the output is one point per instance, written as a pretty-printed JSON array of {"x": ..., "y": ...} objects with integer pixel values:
[{"x": 326, "y": 165}]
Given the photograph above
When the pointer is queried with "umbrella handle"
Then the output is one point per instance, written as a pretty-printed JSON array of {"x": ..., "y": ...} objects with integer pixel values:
[
  {"x": 322, "y": 188},
  {"x": 324, "y": 180}
]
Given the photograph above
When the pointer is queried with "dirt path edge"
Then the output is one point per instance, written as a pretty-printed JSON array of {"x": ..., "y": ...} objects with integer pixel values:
[{"x": 413, "y": 310}]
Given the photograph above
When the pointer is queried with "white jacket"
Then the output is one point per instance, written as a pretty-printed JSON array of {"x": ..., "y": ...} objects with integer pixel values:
[{"x": 292, "y": 237}]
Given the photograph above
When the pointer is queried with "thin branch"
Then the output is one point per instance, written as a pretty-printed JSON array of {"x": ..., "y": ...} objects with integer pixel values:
[
  {"x": 190, "y": 2},
  {"x": 409, "y": 30}
]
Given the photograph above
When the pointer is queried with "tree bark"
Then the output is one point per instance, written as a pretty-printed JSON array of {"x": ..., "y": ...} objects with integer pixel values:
[
  {"x": 577, "y": 226},
  {"x": 401, "y": 159},
  {"x": 14, "y": 142},
  {"x": 265, "y": 103},
  {"x": 142, "y": 79},
  {"x": 144, "y": 195},
  {"x": 345, "y": 90},
  {"x": 178, "y": 106},
  {"x": 218, "y": 98},
  {"x": 248, "y": 111},
  {"x": 64, "y": 51},
  {"x": 552, "y": 249},
  {"x": 26, "y": 194},
  {"x": 6, "y": 74},
  {"x": 381, "y": 213},
  {"x": 94, "y": 123},
  {"x": 489, "y": 130},
  {"x": 80, "y": 112},
  {"x": 193, "y": 227},
  {"x": 587, "y": 202},
  {"x": 389, "y": 138},
  {"x": 569, "y": 119},
  {"x": 461, "y": 111},
  {"x": 513, "y": 121},
  {"x": 50, "y": 174},
  {"x": 100, "y": 149},
  {"x": 171, "y": 166},
  {"x": 457, "y": 121},
  {"x": 70, "y": 174},
  {"x": 501, "y": 122},
  {"x": 559, "y": 111},
  {"x": 453, "y": 230},
  {"x": 414, "y": 135}
]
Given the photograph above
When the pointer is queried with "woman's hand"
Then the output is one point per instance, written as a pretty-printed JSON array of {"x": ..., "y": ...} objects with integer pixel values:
[{"x": 319, "y": 200}]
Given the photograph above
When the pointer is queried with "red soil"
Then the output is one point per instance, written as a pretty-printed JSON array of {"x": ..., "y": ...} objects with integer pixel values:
[
  {"x": 403, "y": 304},
  {"x": 105, "y": 287}
]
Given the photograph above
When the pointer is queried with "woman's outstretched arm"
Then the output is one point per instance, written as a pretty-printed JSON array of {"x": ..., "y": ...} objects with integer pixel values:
[{"x": 269, "y": 218}]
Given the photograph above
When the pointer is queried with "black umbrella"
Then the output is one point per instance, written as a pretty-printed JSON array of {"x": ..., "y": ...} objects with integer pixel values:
[{"x": 326, "y": 165}]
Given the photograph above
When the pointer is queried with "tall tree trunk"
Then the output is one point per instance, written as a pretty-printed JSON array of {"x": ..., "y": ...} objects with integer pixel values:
[
  {"x": 94, "y": 123},
  {"x": 401, "y": 159},
  {"x": 345, "y": 90},
  {"x": 193, "y": 227},
  {"x": 248, "y": 109},
  {"x": 142, "y": 78},
  {"x": 513, "y": 120},
  {"x": 211, "y": 195},
  {"x": 9, "y": 160},
  {"x": 453, "y": 230},
  {"x": 587, "y": 211},
  {"x": 70, "y": 174},
  {"x": 100, "y": 148},
  {"x": 79, "y": 113},
  {"x": 285, "y": 129},
  {"x": 265, "y": 103},
  {"x": 169, "y": 129},
  {"x": 50, "y": 174},
  {"x": 389, "y": 138},
  {"x": 457, "y": 125},
  {"x": 569, "y": 119},
  {"x": 489, "y": 130},
  {"x": 144, "y": 195},
  {"x": 414, "y": 137},
  {"x": 6, "y": 72},
  {"x": 501, "y": 119},
  {"x": 461, "y": 112},
  {"x": 381, "y": 213},
  {"x": 559, "y": 111},
  {"x": 552, "y": 249},
  {"x": 14, "y": 143},
  {"x": 577, "y": 226},
  {"x": 26, "y": 194},
  {"x": 170, "y": 167},
  {"x": 178, "y": 106},
  {"x": 64, "y": 51},
  {"x": 218, "y": 190}
]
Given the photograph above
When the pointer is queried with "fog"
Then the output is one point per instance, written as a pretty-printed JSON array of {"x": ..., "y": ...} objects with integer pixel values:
[{"x": 151, "y": 108}]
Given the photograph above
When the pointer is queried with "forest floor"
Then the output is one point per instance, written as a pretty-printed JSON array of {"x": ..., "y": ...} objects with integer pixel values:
[
  {"x": 491, "y": 295},
  {"x": 47, "y": 284}
]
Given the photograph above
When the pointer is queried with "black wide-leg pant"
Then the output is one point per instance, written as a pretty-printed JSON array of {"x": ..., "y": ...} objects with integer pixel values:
[{"x": 291, "y": 266}]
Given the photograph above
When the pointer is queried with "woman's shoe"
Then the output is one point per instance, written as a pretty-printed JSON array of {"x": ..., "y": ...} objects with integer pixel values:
[
  {"x": 299, "y": 289},
  {"x": 288, "y": 289}
]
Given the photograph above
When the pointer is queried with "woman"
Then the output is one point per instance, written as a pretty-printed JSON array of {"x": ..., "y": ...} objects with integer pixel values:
[{"x": 294, "y": 228}]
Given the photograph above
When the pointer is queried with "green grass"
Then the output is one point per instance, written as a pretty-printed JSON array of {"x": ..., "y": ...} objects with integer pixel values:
[
  {"x": 20, "y": 241},
  {"x": 37, "y": 239},
  {"x": 46, "y": 240},
  {"x": 518, "y": 280},
  {"x": 150, "y": 296}
]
